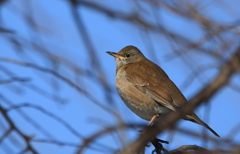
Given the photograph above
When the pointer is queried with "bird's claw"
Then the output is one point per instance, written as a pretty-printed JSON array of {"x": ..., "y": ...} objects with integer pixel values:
[{"x": 158, "y": 146}]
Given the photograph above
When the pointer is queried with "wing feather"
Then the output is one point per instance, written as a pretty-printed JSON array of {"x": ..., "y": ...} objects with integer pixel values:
[{"x": 153, "y": 81}]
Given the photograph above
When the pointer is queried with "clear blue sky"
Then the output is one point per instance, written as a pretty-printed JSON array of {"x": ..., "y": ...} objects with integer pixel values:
[{"x": 60, "y": 36}]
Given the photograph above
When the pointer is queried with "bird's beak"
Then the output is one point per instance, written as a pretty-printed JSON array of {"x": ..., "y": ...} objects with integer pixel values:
[{"x": 114, "y": 54}]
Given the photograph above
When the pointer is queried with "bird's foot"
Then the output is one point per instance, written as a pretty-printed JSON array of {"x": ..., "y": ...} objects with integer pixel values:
[{"x": 157, "y": 143}]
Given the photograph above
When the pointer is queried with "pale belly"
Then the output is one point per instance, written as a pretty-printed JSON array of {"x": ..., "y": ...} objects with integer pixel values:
[{"x": 138, "y": 102}]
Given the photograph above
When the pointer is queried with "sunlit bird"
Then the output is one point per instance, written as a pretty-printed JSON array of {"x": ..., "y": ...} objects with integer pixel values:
[{"x": 146, "y": 89}]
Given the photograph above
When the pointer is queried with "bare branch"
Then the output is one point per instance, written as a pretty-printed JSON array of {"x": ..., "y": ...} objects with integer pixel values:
[
  {"x": 68, "y": 81},
  {"x": 26, "y": 138},
  {"x": 55, "y": 142},
  {"x": 14, "y": 80},
  {"x": 51, "y": 115},
  {"x": 5, "y": 135},
  {"x": 193, "y": 148}
]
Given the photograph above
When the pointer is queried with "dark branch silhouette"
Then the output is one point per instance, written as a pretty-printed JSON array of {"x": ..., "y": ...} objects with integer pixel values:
[{"x": 52, "y": 60}]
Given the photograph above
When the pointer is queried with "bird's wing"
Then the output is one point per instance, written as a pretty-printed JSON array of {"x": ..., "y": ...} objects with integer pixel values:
[{"x": 153, "y": 81}]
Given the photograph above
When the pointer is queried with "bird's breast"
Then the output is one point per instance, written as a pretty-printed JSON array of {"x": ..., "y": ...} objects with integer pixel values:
[{"x": 138, "y": 102}]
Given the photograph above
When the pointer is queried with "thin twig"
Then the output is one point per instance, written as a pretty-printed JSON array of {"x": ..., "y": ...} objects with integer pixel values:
[{"x": 46, "y": 70}]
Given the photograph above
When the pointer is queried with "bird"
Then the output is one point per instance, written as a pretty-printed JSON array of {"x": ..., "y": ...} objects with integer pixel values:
[{"x": 146, "y": 89}]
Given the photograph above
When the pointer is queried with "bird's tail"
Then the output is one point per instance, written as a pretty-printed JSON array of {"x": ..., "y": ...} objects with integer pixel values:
[{"x": 194, "y": 118}]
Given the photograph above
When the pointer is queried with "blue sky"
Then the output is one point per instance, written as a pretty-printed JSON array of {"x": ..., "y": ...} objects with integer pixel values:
[{"x": 58, "y": 35}]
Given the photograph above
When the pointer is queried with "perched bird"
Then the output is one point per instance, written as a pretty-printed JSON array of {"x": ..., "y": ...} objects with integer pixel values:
[{"x": 146, "y": 89}]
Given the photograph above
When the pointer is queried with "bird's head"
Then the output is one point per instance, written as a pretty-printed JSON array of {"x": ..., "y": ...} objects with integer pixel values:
[{"x": 127, "y": 55}]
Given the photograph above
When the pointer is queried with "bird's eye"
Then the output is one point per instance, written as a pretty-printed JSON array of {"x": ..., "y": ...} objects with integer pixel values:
[{"x": 127, "y": 55}]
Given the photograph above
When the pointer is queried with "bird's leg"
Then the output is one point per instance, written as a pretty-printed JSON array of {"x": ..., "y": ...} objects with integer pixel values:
[
  {"x": 152, "y": 119},
  {"x": 156, "y": 142},
  {"x": 150, "y": 122}
]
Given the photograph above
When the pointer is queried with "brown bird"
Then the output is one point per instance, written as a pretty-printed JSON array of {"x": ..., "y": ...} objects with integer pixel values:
[{"x": 146, "y": 89}]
